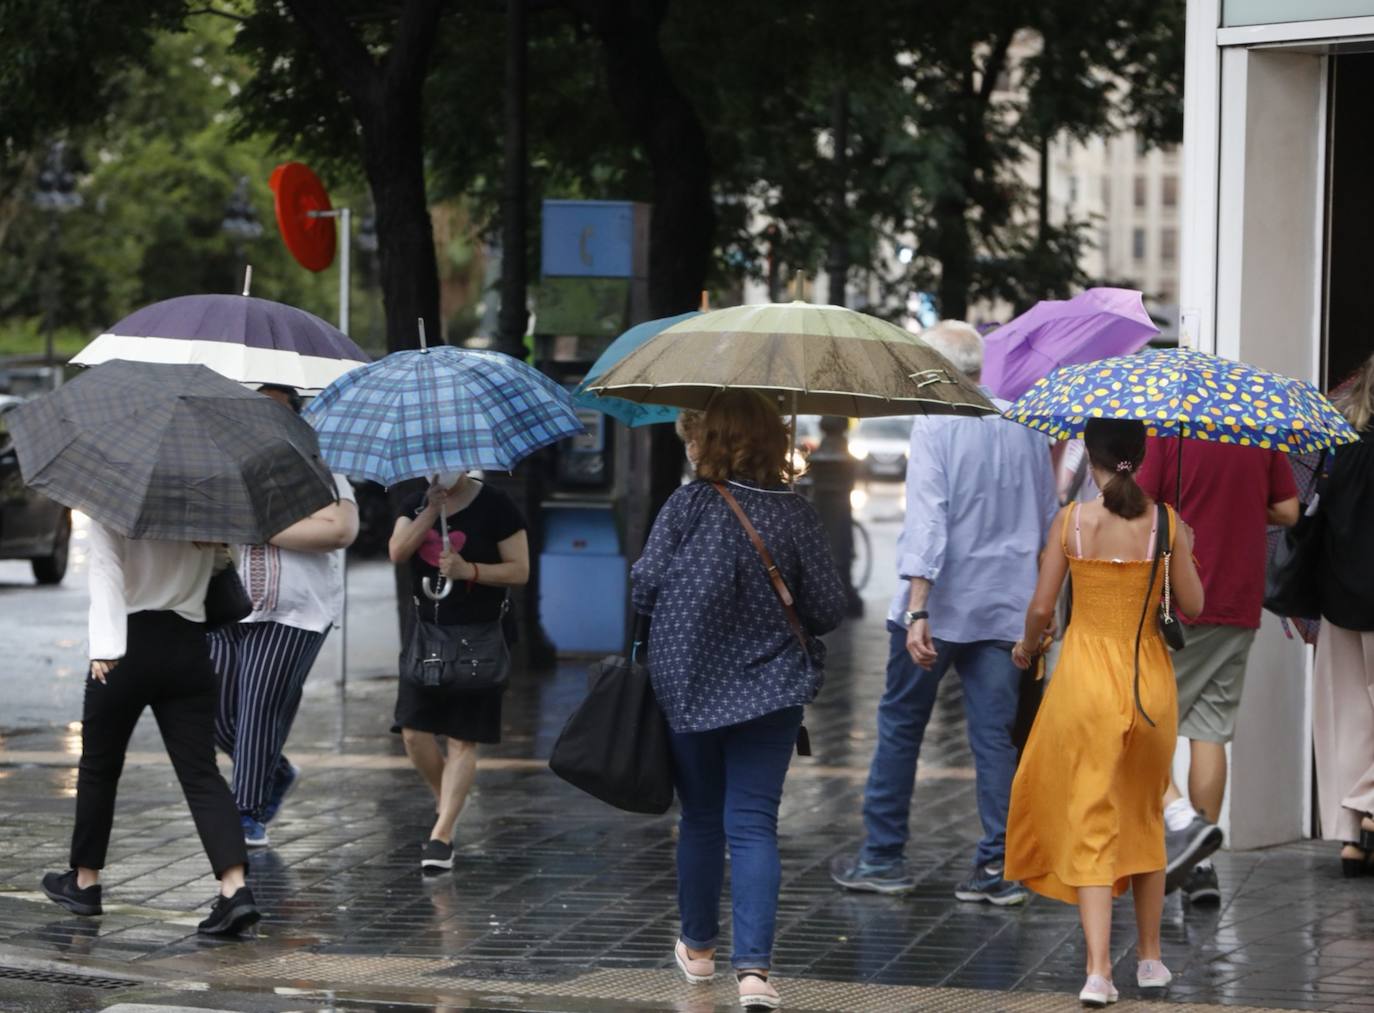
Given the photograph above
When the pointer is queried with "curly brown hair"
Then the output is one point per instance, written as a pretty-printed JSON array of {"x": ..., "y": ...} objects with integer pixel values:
[{"x": 742, "y": 437}]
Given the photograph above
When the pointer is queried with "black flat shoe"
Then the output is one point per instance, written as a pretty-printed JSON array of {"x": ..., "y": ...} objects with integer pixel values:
[
  {"x": 61, "y": 889},
  {"x": 1353, "y": 868},
  {"x": 231, "y": 915}
]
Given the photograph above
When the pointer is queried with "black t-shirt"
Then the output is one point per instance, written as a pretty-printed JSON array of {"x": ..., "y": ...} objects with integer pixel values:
[
  {"x": 487, "y": 521},
  {"x": 1347, "y": 503}
]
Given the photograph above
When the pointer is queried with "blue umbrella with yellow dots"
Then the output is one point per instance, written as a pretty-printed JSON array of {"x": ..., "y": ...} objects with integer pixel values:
[{"x": 1181, "y": 392}]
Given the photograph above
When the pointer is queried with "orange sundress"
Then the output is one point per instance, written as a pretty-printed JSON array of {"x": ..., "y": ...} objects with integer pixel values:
[{"x": 1087, "y": 804}]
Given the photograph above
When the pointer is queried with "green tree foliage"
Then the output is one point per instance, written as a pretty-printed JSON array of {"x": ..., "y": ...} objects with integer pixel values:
[{"x": 161, "y": 166}]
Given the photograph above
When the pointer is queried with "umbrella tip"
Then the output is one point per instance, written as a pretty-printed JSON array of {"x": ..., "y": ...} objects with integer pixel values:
[
  {"x": 424, "y": 345},
  {"x": 705, "y": 301},
  {"x": 247, "y": 278}
]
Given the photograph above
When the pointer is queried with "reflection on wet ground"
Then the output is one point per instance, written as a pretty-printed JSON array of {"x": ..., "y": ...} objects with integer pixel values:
[{"x": 559, "y": 903}]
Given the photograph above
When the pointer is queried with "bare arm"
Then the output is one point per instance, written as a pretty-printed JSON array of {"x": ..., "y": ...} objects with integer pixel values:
[
  {"x": 325, "y": 530},
  {"x": 1284, "y": 513},
  {"x": 1054, "y": 566},
  {"x": 408, "y": 534},
  {"x": 920, "y": 642},
  {"x": 512, "y": 571}
]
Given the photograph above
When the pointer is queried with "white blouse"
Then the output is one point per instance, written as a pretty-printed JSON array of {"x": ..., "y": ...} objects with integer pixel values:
[{"x": 129, "y": 575}]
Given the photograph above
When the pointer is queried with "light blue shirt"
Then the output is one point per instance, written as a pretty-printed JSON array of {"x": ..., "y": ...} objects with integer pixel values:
[{"x": 980, "y": 500}]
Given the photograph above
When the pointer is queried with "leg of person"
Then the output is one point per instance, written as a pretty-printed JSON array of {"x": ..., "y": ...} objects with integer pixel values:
[
  {"x": 184, "y": 703},
  {"x": 296, "y": 658},
  {"x": 1360, "y": 796},
  {"x": 275, "y": 658},
  {"x": 992, "y": 688},
  {"x": 460, "y": 767},
  {"x": 1147, "y": 892},
  {"x": 224, "y": 659},
  {"x": 109, "y": 714},
  {"x": 1095, "y": 914},
  {"x": 1190, "y": 836},
  {"x": 757, "y": 754},
  {"x": 699, "y": 778},
  {"x": 426, "y": 756},
  {"x": 1208, "y": 725},
  {"x": 1343, "y": 737},
  {"x": 903, "y": 714}
]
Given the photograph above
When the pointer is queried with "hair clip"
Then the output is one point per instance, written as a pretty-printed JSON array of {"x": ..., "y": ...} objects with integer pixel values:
[{"x": 1125, "y": 466}]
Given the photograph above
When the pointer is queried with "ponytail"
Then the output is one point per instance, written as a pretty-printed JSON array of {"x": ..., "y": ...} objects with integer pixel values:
[
  {"x": 1118, "y": 446},
  {"x": 1123, "y": 497}
]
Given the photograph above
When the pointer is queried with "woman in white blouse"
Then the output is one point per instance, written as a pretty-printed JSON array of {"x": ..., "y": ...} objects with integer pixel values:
[{"x": 148, "y": 649}]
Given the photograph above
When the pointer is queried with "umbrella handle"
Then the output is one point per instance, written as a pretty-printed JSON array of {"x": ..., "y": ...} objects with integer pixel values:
[
  {"x": 444, "y": 587},
  {"x": 438, "y": 588}
]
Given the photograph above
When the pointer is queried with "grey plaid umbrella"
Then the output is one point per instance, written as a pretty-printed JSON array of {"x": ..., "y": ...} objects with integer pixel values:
[{"x": 173, "y": 452}]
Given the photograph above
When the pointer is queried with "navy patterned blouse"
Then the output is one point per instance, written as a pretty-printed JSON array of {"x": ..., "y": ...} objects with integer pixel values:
[{"x": 721, "y": 651}]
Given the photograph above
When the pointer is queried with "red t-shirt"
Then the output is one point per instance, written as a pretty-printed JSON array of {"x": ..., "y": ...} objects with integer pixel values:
[{"x": 1227, "y": 492}]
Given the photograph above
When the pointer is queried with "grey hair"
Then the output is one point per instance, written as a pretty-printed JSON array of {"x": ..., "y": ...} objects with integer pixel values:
[{"x": 958, "y": 342}]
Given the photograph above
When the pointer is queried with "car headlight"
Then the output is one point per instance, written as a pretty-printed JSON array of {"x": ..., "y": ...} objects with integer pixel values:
[{"x": 858, "y": 449}]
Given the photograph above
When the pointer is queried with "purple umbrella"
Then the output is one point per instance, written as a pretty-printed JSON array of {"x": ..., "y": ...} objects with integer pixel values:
[
  {"x": 1096, "y": 324},
  {"x": 249, "y": 340}
]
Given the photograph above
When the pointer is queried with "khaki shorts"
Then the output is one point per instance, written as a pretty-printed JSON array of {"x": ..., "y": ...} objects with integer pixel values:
[{"x": 1211, "y": 673}]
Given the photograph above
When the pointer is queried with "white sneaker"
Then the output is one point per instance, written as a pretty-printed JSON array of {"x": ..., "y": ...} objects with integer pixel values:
[
  {"x": 1152, "y": 974},
  {"x": 1098, "y": 992}
]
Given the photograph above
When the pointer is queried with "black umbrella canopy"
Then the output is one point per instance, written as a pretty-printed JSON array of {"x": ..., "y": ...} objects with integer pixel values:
[{"x": 172, "y": 452}]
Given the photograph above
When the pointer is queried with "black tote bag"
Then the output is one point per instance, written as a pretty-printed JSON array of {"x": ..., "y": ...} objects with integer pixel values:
[
  {"x": 1292, "y": 583},
  {"x": 615, "y": 744}
]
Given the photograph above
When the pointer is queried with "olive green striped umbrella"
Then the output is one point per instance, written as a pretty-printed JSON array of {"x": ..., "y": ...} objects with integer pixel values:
[{"x": 817, "y": 360}]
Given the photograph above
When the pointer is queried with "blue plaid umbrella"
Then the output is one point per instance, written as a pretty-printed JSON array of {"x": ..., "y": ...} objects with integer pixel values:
[
  {"x": 632, "y": 413},
  {"x": 416, "y": 414}
]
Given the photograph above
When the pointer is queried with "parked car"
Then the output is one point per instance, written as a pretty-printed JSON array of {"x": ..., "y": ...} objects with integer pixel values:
[
  {"x": 32, "y": 526},
  {"x": 880, "y": 446}
]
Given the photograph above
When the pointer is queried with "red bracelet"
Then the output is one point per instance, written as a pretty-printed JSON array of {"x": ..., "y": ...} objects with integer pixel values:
[{"x": 475, "y": 574}]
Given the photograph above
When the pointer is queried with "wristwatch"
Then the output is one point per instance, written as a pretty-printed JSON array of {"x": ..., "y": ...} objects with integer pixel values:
[{"x": 910, "y": 617}]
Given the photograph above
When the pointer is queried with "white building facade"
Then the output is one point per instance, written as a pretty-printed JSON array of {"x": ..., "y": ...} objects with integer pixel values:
[{"x": 1277, "y": 220}]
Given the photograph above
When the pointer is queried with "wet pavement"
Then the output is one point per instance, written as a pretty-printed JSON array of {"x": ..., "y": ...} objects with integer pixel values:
[{"x": 557, "y": 902}]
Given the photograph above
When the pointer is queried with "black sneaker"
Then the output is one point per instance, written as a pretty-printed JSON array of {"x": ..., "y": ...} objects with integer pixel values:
[
  {"x": 1201, "y": 887},
  {"x": 436, "y": 855},
  {"x": 1186, "y": 848},
  {"x": 61, "y": 888},
  {"x": 231, "y": 915},
  {"x": 987, "y": 884}
]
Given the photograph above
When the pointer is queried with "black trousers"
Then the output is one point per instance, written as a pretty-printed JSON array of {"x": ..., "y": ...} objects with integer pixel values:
[{"x": 166, "y": 667}]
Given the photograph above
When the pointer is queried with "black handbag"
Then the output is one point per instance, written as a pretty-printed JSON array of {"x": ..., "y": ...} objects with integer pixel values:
[
  {"x": 614, "y": 746},
  {"x": 464, "y": 657},
  {"x": 1292, "y": 582},
  {"x": 226, "y": 600}
]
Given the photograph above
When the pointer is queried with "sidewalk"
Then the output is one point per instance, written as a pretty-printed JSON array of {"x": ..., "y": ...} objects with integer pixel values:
[{"x": 557, "y": 902}]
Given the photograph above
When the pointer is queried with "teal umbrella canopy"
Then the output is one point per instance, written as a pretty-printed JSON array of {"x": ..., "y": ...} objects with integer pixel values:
[{"x": 631, "y": 413}]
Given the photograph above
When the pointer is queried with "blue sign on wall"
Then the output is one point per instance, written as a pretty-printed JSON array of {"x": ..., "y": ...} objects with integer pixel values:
[{"x": 595, "y": 239}]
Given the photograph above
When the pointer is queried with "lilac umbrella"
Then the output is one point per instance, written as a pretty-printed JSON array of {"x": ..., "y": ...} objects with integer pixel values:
[
  {"x": 250, "y": 340},
  {"x": 1096, "y": 324}
]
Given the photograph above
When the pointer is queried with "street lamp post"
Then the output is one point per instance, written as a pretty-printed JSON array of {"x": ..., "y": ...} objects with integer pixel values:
[{"x": 55, "y": 195}]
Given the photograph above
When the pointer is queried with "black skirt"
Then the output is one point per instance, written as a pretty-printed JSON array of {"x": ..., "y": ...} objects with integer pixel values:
[{"x": 468, "y": 717}]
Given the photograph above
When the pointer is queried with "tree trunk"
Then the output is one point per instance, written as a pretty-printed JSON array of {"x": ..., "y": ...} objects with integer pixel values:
[
  {"x": 682, "y": 231},
  {"x": 954, "y": 251},
  {"x": 386, "y": 95},
  {"x": 837, "y": 265},
  {"x": 514, "y": 315},
  {"x": 405, "y": 236}
]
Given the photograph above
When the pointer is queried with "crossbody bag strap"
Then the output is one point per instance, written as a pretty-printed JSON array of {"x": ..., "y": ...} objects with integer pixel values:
[
  {"x": 774, "y": 576},
  {"x": 1145, "y": 612}
]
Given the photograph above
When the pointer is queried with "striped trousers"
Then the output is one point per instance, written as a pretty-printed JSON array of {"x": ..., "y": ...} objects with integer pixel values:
[{"x": 261, "y": 669}]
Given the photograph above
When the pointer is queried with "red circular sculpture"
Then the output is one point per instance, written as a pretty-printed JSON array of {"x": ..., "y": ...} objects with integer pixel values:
[{"x": 298, "y": 191}]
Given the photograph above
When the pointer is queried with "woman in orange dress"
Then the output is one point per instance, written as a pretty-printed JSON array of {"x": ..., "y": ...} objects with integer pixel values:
[{"x": 1087, "y": 810}]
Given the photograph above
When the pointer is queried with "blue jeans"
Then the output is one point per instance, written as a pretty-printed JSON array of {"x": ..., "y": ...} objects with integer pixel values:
[
  {"x": 729, "y": 785},
  {"x": 992, "y": 688}
]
